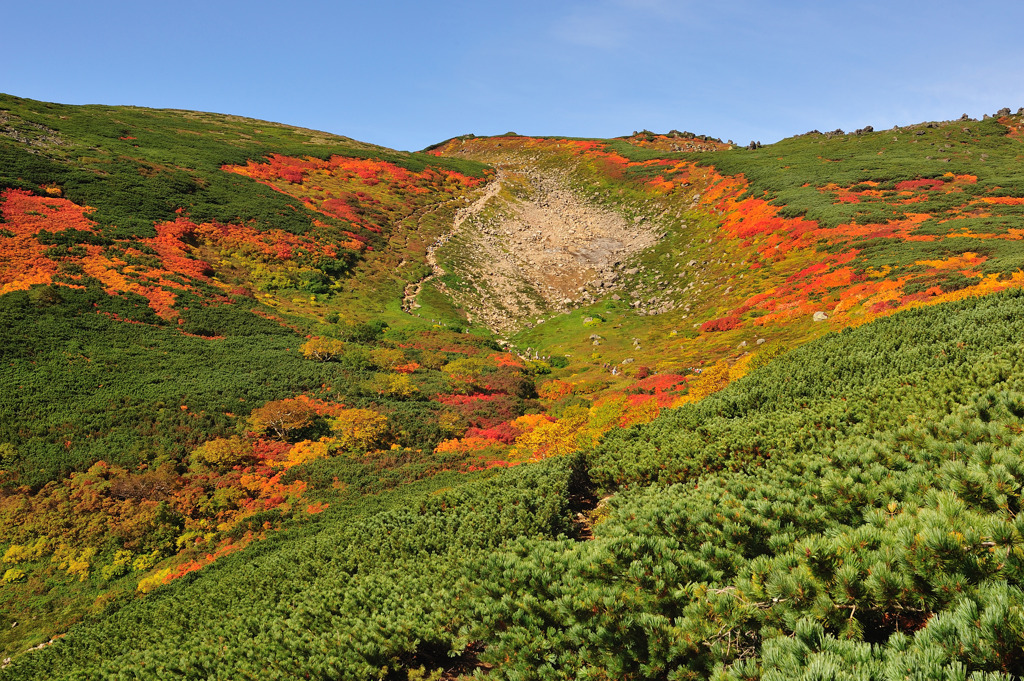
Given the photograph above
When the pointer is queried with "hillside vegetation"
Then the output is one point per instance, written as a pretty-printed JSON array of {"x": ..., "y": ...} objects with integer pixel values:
[
  {"x": 279, "y": 404},
  {"x": 849, "y": 511}
]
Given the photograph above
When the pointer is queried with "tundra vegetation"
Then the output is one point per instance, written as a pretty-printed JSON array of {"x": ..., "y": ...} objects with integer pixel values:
[{"x": 264, "y": 413}]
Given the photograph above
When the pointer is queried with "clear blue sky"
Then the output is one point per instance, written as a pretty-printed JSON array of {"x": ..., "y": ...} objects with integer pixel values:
[{"x": 406, "y": 74}]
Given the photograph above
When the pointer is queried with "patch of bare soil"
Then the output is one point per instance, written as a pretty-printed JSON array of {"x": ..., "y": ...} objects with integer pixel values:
[{"x": 534, "y": 248}]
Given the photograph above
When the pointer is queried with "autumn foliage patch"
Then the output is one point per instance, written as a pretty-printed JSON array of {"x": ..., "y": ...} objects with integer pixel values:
[{"x": 726, "y": 323}]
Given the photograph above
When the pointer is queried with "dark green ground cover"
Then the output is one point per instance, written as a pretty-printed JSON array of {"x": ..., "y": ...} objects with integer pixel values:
[
  {"x": 847, "y": 511},
  {"x": 79, "y": 386},
  {"x": 173, "y": 160},
  {"x": 367, "y": 588}
]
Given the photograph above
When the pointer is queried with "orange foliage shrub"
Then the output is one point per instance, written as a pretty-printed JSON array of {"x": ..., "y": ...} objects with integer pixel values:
[
  {"x": 409, "y": 368},
  {"x": 505, "y": 359},
  {"x": 465, "y": 445},
  {"x": 22, "y": 260},
  {"x": 308, "y": 450},
  {"x": 554, "y": 389}
]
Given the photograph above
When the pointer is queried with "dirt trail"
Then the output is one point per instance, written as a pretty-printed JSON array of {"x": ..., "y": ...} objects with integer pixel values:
[{"x": 413, "y": 289}]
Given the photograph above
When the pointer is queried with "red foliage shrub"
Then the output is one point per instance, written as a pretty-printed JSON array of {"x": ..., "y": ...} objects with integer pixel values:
[
  {"x": 878, "y": 308},
  {"x": 488, "y": 411},
  {"x": 504, "y": 432},
  {"x": 721, "y": 324},
  {"x": 660, "y": 383}
]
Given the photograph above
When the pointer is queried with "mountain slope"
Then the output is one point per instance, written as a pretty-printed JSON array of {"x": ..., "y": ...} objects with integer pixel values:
[
  {"x": 159, "y": 285},
  {"x": 830, "y": 516},
  {"x": 255, "y": 369},
  {"x": 753, "y": 243}
]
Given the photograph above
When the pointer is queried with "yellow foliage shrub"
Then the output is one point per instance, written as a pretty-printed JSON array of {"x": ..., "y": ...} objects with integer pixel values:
[
  {"x": 75, "y": 562},
  {"x": 146, "y": 561},
  {"x": 397, "y": 385},
  {"x": 433, "y": 359},
  {"x": 711, "y": 380},
  {"x": 604, "y": 415},
  {"x": 223, "y": 452},
  {"x": 387, "y": 358},
  {"x": 17, "y": 553},
  {"x": 322, "y": 349},
  {"x": 466, "y": 367},
  {"x": 359, "y": 428},
  {"x": 549, "y": 438},
  {"x": 450, "y": 422},
  {"x": 14, "y": 575},
  {"x": 147, "y": 584},
  {"x": 121, "y": 565}
]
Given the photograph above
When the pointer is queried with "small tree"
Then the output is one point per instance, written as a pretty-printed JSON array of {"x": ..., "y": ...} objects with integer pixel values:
[
  {"x": 322, "y": 349},
  {"x": 282, "y": 417},
  {"x": 359, "y": 429}
]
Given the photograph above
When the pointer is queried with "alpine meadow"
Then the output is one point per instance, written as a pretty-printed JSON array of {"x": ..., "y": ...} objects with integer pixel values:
[{"x": 280, "y": 404}]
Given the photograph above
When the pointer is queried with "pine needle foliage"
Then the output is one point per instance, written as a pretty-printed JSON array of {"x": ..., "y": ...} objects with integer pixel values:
[{"x": 849, "y": 511}]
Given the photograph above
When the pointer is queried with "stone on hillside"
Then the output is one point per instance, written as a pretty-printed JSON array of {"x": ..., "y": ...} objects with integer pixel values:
[{"x": 820, "y": 316}]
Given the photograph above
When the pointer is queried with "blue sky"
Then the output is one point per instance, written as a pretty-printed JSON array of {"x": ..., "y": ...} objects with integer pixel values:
[{"x": 407, "y": 74}]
